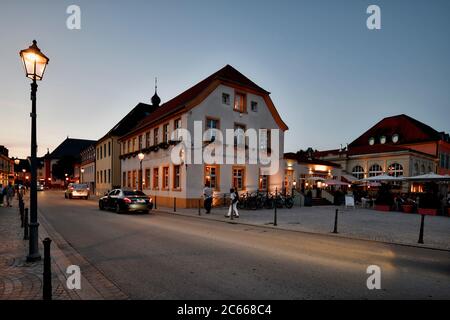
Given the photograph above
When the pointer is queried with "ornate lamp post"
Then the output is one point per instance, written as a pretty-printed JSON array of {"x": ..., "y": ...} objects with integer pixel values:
[
  {"x": 141, "y": 157},
  {"x": 35, "y": 63}
]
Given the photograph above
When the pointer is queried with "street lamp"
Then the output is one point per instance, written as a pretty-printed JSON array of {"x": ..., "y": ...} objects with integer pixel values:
[
  {"x": 17, "y": 161},
  {"x": 141, "y": 157},
  {"x": 82, "y": 174},
  {"x": 34, "y": 62}
]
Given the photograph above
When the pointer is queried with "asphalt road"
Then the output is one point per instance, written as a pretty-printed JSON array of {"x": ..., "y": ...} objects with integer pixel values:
[{"x": 163, "y": 256}]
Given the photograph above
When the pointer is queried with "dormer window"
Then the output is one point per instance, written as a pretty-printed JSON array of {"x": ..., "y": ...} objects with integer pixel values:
[
  {"x": 383, "y": 139},
  {"x": 372, "y": 141},
  {"x": 395, "y": 138}
]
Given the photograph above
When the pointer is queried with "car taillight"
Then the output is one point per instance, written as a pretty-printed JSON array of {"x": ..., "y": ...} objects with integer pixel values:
[{"x": 126, "y": 200}]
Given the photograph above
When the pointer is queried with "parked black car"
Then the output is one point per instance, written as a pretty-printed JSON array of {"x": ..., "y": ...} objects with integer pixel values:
[{"x": 121, "y": 200}]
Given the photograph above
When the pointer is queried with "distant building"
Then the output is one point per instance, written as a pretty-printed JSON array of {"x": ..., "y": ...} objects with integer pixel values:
[
  {"x": 87, "y": 167},
  {"x": 398, "y": 146},
  {"x": 68, "y": 149},
  {"x": 303, "y": 171},
  {"x": 107, "y": 150},
  {"x": 6, "y": 167},
  {"x": 225, "y": 100}
]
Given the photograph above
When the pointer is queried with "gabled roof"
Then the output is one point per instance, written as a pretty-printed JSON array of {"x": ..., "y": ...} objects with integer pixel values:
[
  {"x": 71, "y": 147},
  {"x": 128, "y": 122},
  {"x": 409, "y": 130},
  {"x": 189, "y": 98}
]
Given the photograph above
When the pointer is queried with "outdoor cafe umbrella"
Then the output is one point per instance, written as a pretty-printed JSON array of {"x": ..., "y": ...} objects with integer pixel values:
[
  {"x": 429, "y": 177},
  {"x": 383, "y": 178},
  {"x": 336, "y": 183}
]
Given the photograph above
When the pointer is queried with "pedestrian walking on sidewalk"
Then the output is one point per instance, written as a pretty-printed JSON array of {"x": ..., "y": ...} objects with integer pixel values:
[
  {"x": 207, "y": 198},
  {"x": 9, "y": 195},
  {"x": 233, "y": 205},
  {"x": 1, "y": 195}
]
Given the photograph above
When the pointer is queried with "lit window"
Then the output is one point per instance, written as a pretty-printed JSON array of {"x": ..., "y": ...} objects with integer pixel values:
[
  {"x": 211, "y": 176},
  {"x": 264, "y": 182},
  {"x": 238, "y": 178},
  {"x": 239, "y": 102},
  {"x": 396, "y": 170}
]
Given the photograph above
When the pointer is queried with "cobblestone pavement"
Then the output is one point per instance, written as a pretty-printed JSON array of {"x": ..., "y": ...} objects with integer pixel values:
[
  {"x": 392, "y": 227},
  {"x": 20, "y": 280}
]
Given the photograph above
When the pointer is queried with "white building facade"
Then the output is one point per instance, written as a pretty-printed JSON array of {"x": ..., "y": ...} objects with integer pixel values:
[{"x": 225, "y": 100}]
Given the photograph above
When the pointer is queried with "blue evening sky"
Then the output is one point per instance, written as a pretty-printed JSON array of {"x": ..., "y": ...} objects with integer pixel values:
[{"x": 330, "y": 77}]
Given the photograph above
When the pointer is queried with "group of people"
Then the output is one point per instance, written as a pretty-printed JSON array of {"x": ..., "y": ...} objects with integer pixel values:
[
  {"x": 6, "y": 195},
  {"x": 208, "y": 200}
]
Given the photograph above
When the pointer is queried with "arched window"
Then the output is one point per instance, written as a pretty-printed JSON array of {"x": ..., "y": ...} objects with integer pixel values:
[
  {"x": 396, "y": 170},
  {"x": 375, "y": 170},
  {"x": 358, "y": 172}
]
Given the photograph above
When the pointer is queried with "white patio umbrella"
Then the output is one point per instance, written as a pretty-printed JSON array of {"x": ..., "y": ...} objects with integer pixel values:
[
  {"x": 429, "y": 177},
  {"x": 336, "y": 183},
  {"x": 383, "y": 178}
]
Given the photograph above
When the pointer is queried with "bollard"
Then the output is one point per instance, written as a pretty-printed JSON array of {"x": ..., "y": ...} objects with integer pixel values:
[
  {"x": 336, "y": 221},
  {"x": 422, "y": 222},
  {"x": 155, "y": 203},
  {"x": 26, "y": 226},
  {"x": 22, "y": 214},
  {"x": 174, "y": 204},
  {"x": 199, "y": 207},
  {"x": 224, "y": 200},
  {"x": 47, "y": 287},
  {"x": 275, "y": 216}
]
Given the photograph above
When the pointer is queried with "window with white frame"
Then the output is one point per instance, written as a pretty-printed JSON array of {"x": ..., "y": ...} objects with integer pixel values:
[
  {"x": 212, "y": 125},
  {"x": 396, "y": 170},
  {"x": 358, "y": 172},
  {"x": 375, "y": 170}
]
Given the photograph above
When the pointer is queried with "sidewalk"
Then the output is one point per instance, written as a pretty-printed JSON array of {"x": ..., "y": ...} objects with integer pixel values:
[
  {"x": 20, "y": 280},
  {"x": 365, "y": 224}
]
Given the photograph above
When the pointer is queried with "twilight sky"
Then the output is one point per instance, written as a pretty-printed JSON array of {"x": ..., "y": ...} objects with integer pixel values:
[{"x": 331, "y": 78}]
